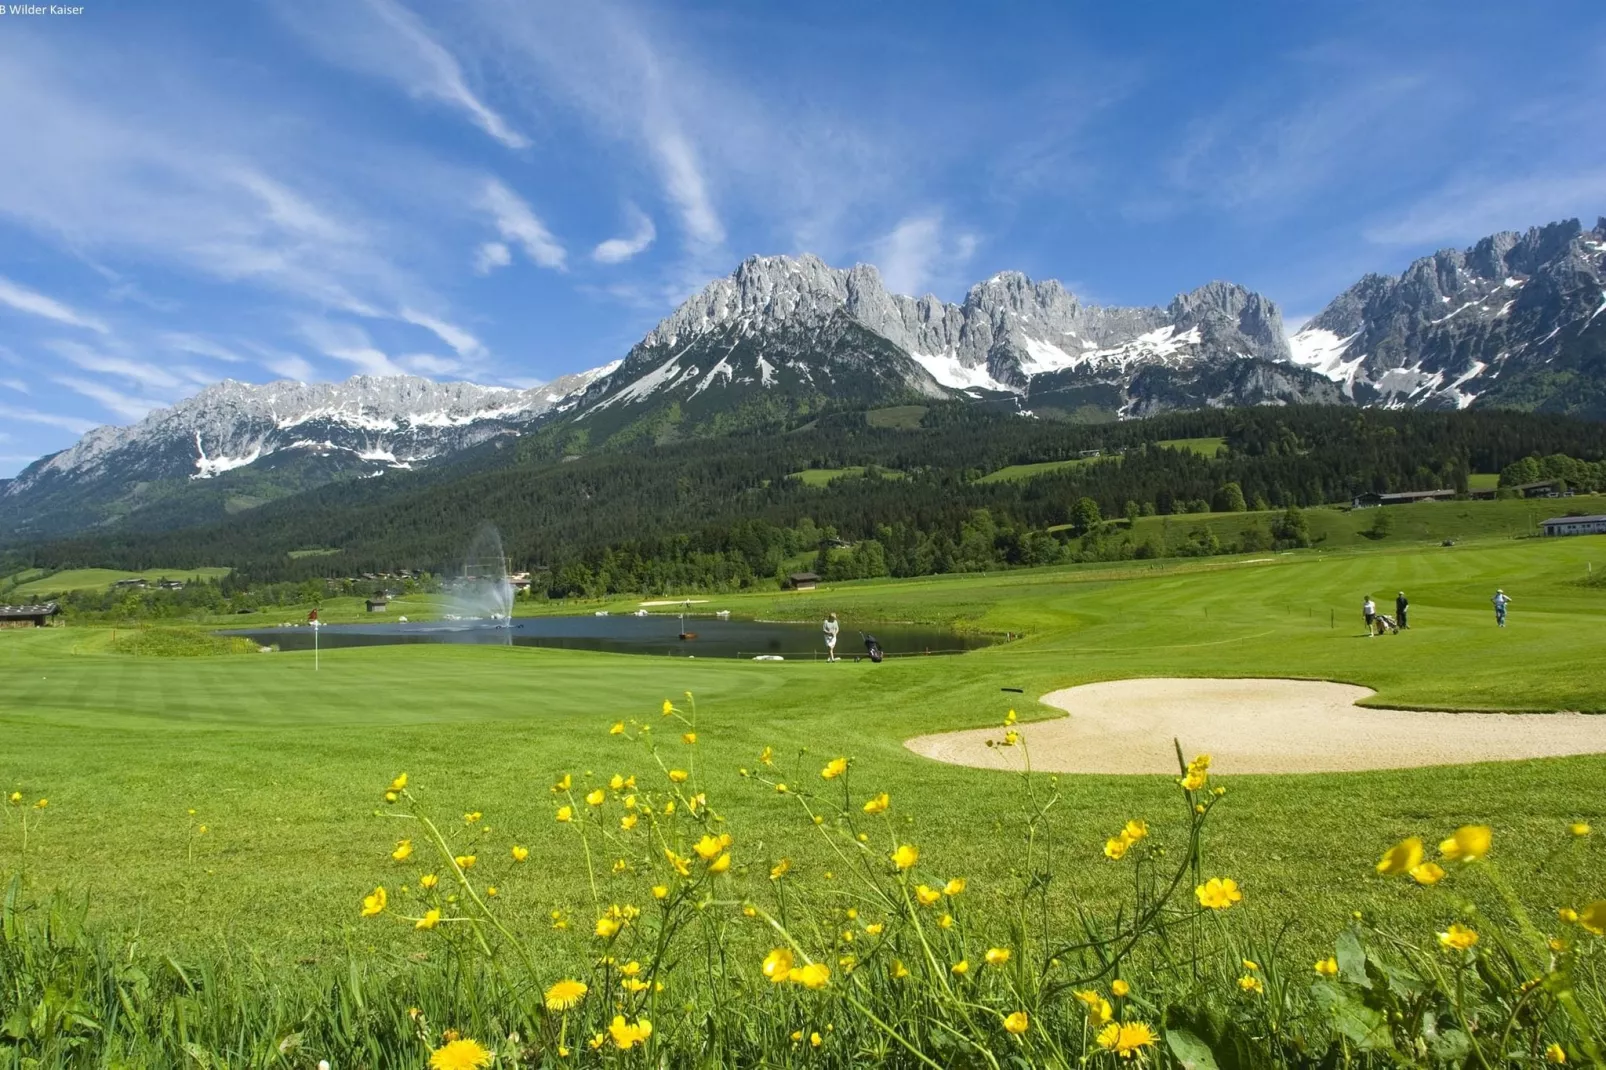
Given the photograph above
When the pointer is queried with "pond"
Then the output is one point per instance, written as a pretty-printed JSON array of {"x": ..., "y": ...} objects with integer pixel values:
[{"x": 657, "y": 633}]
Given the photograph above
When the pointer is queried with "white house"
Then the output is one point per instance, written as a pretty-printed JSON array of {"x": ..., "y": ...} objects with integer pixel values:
[{"x": 1575, "y": 525}]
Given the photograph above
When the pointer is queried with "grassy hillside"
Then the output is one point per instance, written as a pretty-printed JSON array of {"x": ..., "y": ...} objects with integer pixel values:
[{"x": 37, "y": 582}]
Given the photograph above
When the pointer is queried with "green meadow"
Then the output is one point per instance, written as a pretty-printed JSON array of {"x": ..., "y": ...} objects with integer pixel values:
[
  {"x": 38, "y": 582},
  {"x": 285, "y": 765}
]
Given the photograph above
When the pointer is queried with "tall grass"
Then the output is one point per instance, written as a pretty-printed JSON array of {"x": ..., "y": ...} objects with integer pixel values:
[{"x": 708, "y": 948}]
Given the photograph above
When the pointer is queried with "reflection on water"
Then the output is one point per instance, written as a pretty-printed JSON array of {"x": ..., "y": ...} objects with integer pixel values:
[{"x": 655, "y": 634}]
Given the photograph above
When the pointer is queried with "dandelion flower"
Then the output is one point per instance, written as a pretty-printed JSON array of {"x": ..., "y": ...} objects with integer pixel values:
[
  {"x": 403, "y": 851},
  {"x": 1579, "y": 828},
  {"x": 1017, "y": 1023},
  {"x": 428, "y": 880},
  {"x": 1401, "y": 858},
  {"x": 1126, "y": 1038},
  {"x": 431, "y": 918},
  {"x": 607, "y": 928},
  {"x": 373, "y": 903},
  {"x": 678, "y": 775},
  {"x": 954, "y": 887},
  {"x": 461, "y": 1054},
  {"x": 1251, "y": 984},
  {"x": 878, "y": 804},
  {"x": 520, "y": 853},
  {"x": 565, "y": 995},
  {"x": 778, "y": 965},
  {"x": 399, "y": 783},
  {"x": 1119, "y": 988},
  {"x": 997, "y": 956},
  {"x": 1218, "y": 893},
  {"x": 960, "y": 968},
  {"x": 1115, "y": 848},
  {"x": 1470, "y": 843},
  {"x": 816, "y": 975},
  {"x": 1555, "y": 1054},
  {"x": 1327, "y": 967},
  {"x": 834, "y": 768},
  {"x": 1427, "y": 873},
  {"x": 906, "y": 856},
  {"x": 1593, "y": 917},
  {"x": 780, "y": 869},
  {"x": 565, "y": 813},
  {"x": 1458, "y": 938}
]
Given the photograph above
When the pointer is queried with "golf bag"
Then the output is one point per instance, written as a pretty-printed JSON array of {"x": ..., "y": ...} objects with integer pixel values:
[
  {"x": 1385, "y": 624},
  {"x": 874, "y": 647}
]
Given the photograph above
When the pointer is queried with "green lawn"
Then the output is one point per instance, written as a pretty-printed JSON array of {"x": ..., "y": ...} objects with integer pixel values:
[
  {"x": 901, "y": 417},
  {"x": 1205, "y": 447},
  {"x": 819, "y": 477},
  {"x": 1483, "y": 481},
  {"x": 95, "y": 579},
  {"x": 285, "y": 765},
  {"x": 1019, "y": 472}
]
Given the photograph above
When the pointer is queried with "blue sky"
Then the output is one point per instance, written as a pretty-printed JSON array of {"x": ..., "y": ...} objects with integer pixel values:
[{"x": 508, "y": 190}]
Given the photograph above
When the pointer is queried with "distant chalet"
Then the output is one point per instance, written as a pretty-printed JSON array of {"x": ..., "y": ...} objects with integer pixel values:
[
  {"x": 37, "y": 616},
  {"x": 1374, "y": 499},
  {"x": 1574, "y": 525},
  {"x": 803, "y": 581},
  {"x": 378, "y": 605}
]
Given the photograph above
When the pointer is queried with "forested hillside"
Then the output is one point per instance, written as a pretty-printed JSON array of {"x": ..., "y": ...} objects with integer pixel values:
[{"x": 912, "y": 500}]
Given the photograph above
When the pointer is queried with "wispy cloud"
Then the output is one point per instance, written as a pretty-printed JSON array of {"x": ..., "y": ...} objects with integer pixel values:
[
  {"x": 15, "y": 384},
  {"x": 95, "y": 360},
  {"x": 517, "y": 224},
  {"x": 349, "y": 343},
  {"x": 201, "y": 347},
  {"x": 463, "y": 342},
  {"x": 396, "y": 46},
  {"x": 490, "y": 256},
  {"x": 34, "y": 416},
  {"x": 131, "y": 407},
  {"x": 1478, "y": 206},
  {"x": 917, "y": 253},
  {"x": 618, "y": 250},
  {"x": 37, "y": 304}
]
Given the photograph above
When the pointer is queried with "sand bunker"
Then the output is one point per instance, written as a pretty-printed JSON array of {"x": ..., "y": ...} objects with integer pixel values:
[{"x": 1258, "y": 726}]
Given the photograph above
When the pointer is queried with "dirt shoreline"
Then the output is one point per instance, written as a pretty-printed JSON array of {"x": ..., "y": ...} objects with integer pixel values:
[{"x": 1257, "y": 726}]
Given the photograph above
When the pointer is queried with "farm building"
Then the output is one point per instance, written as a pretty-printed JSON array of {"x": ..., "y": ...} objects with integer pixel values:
[
  {"x": 378, "y": 605},
  {"x": 803, "y": 581},
  {"x": 1574, "y": 525},
  {"x": 36, "y": 616},
  {"x": 1404, "y": 497}
]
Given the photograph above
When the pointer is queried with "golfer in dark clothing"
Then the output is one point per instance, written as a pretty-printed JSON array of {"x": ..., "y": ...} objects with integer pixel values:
[{"x": 1401, "y": 605}]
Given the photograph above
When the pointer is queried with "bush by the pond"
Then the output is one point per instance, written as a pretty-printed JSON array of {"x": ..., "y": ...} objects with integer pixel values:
[
  {"x": 709, "y": 949},
  {"x": 180, "y": 643}
]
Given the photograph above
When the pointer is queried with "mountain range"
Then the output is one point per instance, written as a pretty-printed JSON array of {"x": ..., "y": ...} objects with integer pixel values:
[{"x": 1515, "y": 321}]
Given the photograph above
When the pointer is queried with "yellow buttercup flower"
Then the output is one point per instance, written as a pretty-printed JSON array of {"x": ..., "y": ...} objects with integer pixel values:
[
  {"x": 1135, "y": 830},
  {"x": 428, "y": 880},
  {"x": 595, "y": 797},
  {"x": 466, "y": 861},
  {"x": 954, "y": 887},
  {"x": 1579, "y": 828},
  {"x": 1099, "y": 1010},
  {"x": 778, "y": 965},
  {"x": 565, "y": 995},
  {"x": 565, "y": 813},
  {"x": 1126, "y": 1038},
  {"x": 629, "y": 821},
  {"x": 1567, "y": 914},
  {"x": 815, "y": 1040},
  {"x": 874, "y": 928},
  {"x": 1555, "y": 1054},
  {"x": 431, "y": 918},
  {"x": 1218, "y": 893},
  {"x": 878, "y": 804},
  {"x": 563, "y": 783},
  {"x": 1593, "y": 917},
  {"x": 608, "y": 928},
  {"x": 399, "y": 783},
  {"x": 660, "y": 891},
  {"x": 373, "y": 903},
  {"x": 960, "y": 968},
  {"x": 815, "y": 975},
  {"x": 492, "y": 891},
  {"x": 899, "y": 970},
  {"x": 945, "y": 922},
  {"x": 768, "y": 756},
  {"x": 780, "y": 869},
  {"x": 679, "y": 776},
  {"x": 630, "y": 984},
  {"x": 627, "y": 1035},
  {"x": 669, "y": 707},
  {"x": 1115, "y": 848},
  {"x": 41, "y": 804},
  {"x": 617, "y": 729},
  {"x": 906, "y": 856},
  {"x": 1011, "y": 738},
  {"x": 1017, "y": 1023},
  {"x": 1470, "y": 843},
  {"x": 681, "y": 865},
  {"x": 1251, "y": 965},
  {"x": 1427, "y": 873},
  {"x": 1251, "y": 983},
  {"x": 1458, "y": 938},
  {"x": 834, "y": 768},
  {"x": 520, "y": 853},
  {"x": 720, "y": 864},
  {"x": 461, "y": 1054},
  {"x": 403, "y": 851},
  {"x": 1009, "y": 718},
  {"x": 1327, "y": 967},
  {"x": 1401, "y": 858},
  {"x": 997, "y": 956},
  {"x": 16, "y": 797},
  {"x": 927, "y": 895},
  {"x": 689, "y": 737}
]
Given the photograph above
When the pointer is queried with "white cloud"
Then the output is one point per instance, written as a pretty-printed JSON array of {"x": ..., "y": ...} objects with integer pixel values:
[
  {"x": 916, "y": 255},
  {"x": 464, "y": 343},
  {"x": 15, "y": 384},
  {"x": 683, "y": 181},
  {"x": 94, "y": 360},
  {"x": 490, "y": 256},
  {"x": 290, "y": 366},
  {"x": 617, "y": 250},
  {"x": 201, "y": 347},
  {"x": 395, "y": 45},
  {"x": 66, "y": 423},
  {"x": 351, "y": 344},
  {"x": 429, "y": 364},
  {"x": 518, "y": 224},
  {"x": 1472, "y": 207},
  {"x": 130, "y": 407},
  {"x": 37, "y": 304}
]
